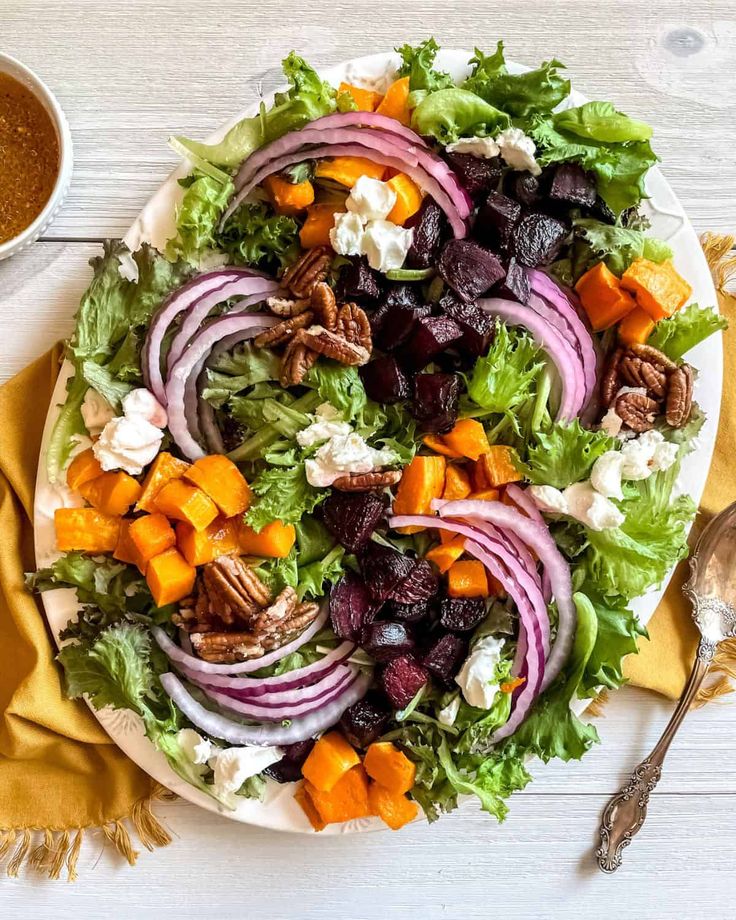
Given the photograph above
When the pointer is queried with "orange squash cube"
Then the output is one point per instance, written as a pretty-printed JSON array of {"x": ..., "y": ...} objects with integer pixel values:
[
  {"x": 84, "y": 468},
  {"x": 659, "y": 289},
  {"x": 457, "y": 483},
  {"x": 184, "y": 502},
  {"x": 367, "y": 100},
  {"x": 274, "y": 540},
  {"x": 498, "y": 467},
  {"x": 390, "y": 767},
  {"x": 316, "y": 228},
  {"x": 487, "y": 495},
  {"x": 395, "y": 104},
  {"x": 347, "y": 170},
  {"x": 421, "y": 481},
  {"x": 86, "y": 529},
  {"x": 111, "y": 493},
  {"x": 603, "y": 298},
  {"x": 467, "y": 578},
  {"x": 468, "y": 437},
  {"x": 199, "y": 547},
  {"x": 163, "y": 469},
  {"x": 152, "y": 535},
  {"x": 347, "y": 800},
  {"x": 434, "y": 442},
  {"x": 446, "y": 553},
  {"x": 394, "y": 810},
  {"x": 636, "y": 327},
  {"x": 218, "y": 477},
  {"x": 329, "y": 760},
  {"x": 288, "y": 197},
  {"x": 126, "y": 550},
  {"x": 307, "y": 806},
  {"x": 170, "y": 577},
  {"x": 408, "y": 199}
]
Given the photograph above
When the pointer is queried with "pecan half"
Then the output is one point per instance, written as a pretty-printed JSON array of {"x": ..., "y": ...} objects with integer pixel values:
[
  {"x": 611, "y": 379},
  {"x": 636, "y": 372},
  {"x": 226, "y": 648},
  {"x": 296, "y": 363},
  {"x": 301, "y": 277},
  {"x": 679, "y": 396},
  {"x": 282, "y": 306},
  {"x": 653, "y": 356},
  {"x": 324, "y": 306},
  {"x": 270, "y": 619},
  {"x": 353, "y": 325},
  {"x": 367, "y": 482},
  {"x": 637, "y": 410},
  {"x": 332, "y": 346},
  {"x": 282, "y": 332}
]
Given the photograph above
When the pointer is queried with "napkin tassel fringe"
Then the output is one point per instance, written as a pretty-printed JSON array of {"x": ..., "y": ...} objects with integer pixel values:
[{"x": 50, "y": 851}]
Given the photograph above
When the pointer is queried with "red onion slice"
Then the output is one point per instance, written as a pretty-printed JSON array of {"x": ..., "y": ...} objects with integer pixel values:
[
  {"x": 218, "y": 726},
  {"x": 522, "y": 500}
]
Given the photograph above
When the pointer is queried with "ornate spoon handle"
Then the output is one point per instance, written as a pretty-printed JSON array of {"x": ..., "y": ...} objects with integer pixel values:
[{"x": 624, "y": 815}]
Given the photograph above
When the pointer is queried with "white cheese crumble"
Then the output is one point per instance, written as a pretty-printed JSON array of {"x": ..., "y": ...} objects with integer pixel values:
[
  {"x": 517, "y": 150},
  {"x": 321, "y": 430},
  {"x": 371, "y": 199},
  {"x": 448, "y": 714},
  {"x": 591, "y": 508},
  {"x": 127, "y": 444},
  {"x": 607, "y": 473},
  {"x": 194, "y": 746},
  {"x": 344, "y": 454},
  {"x": 549, "y": 499},
  {"x": 386, "y": 245},
  {"x": 484, "y": 147},
  {"x": 346, "y": 237},
  {"x": 141, "y": 403},
  {"x": 477, "y": 677},
  {"x": 235, "y": 765},
  {"x": 96, "y": 411}
]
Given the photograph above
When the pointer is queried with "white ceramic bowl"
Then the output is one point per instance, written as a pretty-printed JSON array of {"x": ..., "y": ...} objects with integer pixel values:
[{"x": 39, "y": 89}]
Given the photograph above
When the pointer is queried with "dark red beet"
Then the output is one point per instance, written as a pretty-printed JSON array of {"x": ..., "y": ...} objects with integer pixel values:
[
  {"x": 444, "y": 657},
  {"x": 384, "y": 380},
  {"x": 601, "y": 211},
  {"x": 409, "y": 613},
  {"x": 396, "y": 325},
  {"x": 419, "y": 585},
  {"x": 537, "y": 239},
  {"x": 572, "y": 185},
  {"x": 385, "y": 640},
  {"x": 358, "y": 281},
  {"x": 477, "y": 175},
  {"x": 476, "y": 325},
  {"x": 364, "y": 721},
  {"x": 430, "y": 228},
  {"x": 496, "y": 220},
  {"x": 461, "y": 613},
  {"x": 468, "y": 268},
  {"x": 350, "y": 607},
  {"x": 435, "y": 402},
  {"x": 352, "y": 517},
  {"x": 289, "y": 768},
  {"x": 402, "y": 295},
  {"x": 524, "y": 188},
  {"x": 384, "y": 568},
  {"x": 402, "y": 679},
  {"x": 516, "y": 283},
  {"x": 430, "y": 336}
]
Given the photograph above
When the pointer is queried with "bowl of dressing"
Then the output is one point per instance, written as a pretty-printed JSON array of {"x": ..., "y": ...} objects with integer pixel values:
[{"x": 35, "y": 156}]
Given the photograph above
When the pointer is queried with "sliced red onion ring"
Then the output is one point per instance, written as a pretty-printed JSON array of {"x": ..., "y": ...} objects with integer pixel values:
[
  {"x": 248, "y": 325},
  {"x": 177, "y": 302},
  {"x": 277, "y": 712},
  {"x": 179, "y": 657},
  {"x": 562, "y": 354},
  {"x": 522, "y": 500},
  {"x": 300, "y": 729}
]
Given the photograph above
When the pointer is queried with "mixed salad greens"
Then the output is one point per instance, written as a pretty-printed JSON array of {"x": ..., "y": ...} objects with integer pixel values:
[{"x": 374, "y": 457}]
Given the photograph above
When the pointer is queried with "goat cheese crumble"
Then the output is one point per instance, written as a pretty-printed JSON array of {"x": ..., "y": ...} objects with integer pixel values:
[
  {"x": 477, "y": 677},
  {"x": 131, "y": 441},
  {"x": 233, "y": 766}
]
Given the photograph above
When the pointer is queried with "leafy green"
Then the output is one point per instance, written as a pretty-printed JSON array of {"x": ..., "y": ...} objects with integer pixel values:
[
  {"x": 282, "y": 494},
  {"x": 254, "y": 235},
  {"x": 565, "y": 454},
  {"x": 478, "y": 725},
  {"x": 505, "y": 377},
  {"x": 618, "y": 633},
  {"x": 619, "y": 246},
  {"x": 340, "y": 386},
  {"x": 307, "y": 98},
  {"x": 417, "y": 64},
  {"x": 109, "y": 386},
  {"x": 450, "y": 114},
  {"x": 613, "y": 146},
  {"x": 238, "y": 370},
  {"x": 679, "y": 333},
  {"x": 197, "y": 217}
]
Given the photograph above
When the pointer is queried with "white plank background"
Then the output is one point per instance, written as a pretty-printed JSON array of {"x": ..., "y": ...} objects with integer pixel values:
[{"x": 131, "y": 73}]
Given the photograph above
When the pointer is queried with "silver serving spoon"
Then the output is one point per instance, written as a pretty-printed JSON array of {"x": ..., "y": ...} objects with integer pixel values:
[{"x": 711, "y": 589}]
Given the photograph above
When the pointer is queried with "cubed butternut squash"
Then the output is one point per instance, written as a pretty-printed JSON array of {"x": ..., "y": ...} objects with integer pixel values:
[
  {"x": 288, "y": 197},
  {"x": 395, "y": 104},
  {"x": 152, "y": 535},
  {"x": 457, "y": 483},
  {"x": 486, "y": 495},
  {"x": 390, "y": 767},
  {"x": 636, "y": 327},
  {"x": 422, "y": 481},
  {"x": 84, "y": 468},
  {"x": 367, "y": 100},
  {"x": 126, "y": 550},
  {"x": 602, "y": 297},
  {"x": 184, "y": 502},
  {"x": 163, "y": 469},
  {"x": 274, "y": 540},
  {"x": 346, "y": 801},
  {"x": 170, "y": 578},
  {"x": 315, "y": 230},
  {"x": 468, "y": 437},
  {"x": 445, "y": 554},
  {"x": 199, "y": 547},
  {"x": 329, "y": 760},
  {"x": 498, "y": 466},
  {"x": 86, "y": 529},
  {"x": 347, "y": 170},
  {"x": 111, "y": 493},
  {"x": 303, "y": 800},
  {"x": 218, "y": 477},
  {"x": 393, "y": 809},
  {"x": 659, "y": 289},
  {"x": 467, "y": 578},
  {"x": 408, "y": 199},
  {"x": 434, "y": 442}
]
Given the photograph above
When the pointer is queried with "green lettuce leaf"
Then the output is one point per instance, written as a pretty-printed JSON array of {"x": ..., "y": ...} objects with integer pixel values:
[
  {"x": 340, "y": 386},
  {"x": 282, "y": 494},
  {"x": 505, "y": 377},
  {"x": 619, "y": 246},
  {"x": 198, "y": 216},
  {"x": 679, "y": 333},
  {"x": 100, "y": 378},
  {"x": 417, "y": 63},
  {"x": 254, "y": 235},
  {"x": 238, "y": 370},
  {"x": 449, "y": 114},
  {"x": 618, "y": 633},
  {"x": 565, "y": 454}
]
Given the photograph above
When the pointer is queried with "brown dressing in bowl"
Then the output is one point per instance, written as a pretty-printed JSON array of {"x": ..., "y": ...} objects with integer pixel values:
[{"x": 29, "y": 157}]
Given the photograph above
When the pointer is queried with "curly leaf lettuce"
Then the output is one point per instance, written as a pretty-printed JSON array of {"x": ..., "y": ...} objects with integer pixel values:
[
  {"x": 619, "y": 246},
  {"x": 677, "y": 334},
  {"x": 450, "y": 114},
  {"x": 283, "y": 494},
  {"x": 506, "y": 376},
  {"x": 565, "y": 454},
  {"x": 198, "y": 216},
  {"x": 254, "y": 235}
]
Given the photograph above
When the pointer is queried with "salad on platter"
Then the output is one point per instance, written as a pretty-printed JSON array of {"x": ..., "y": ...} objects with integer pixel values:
[{"x": 363, "y": 470}]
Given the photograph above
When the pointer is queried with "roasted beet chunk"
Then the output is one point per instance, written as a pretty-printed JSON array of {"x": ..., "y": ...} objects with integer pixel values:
[
  {"x": 364, "y": 721},
  {"x": 468, "y": 268},
  {"x": 409, "y": 613},
  {"x": 461, "y": 613},
  {"x": 384, "y": 380},
  {"x": 524, "y": 187},
  {"x": 352, "y": 517},
  {"x": 477, "y": 325},
  {"x": 430, "y": 228},
  {"x": 444, "y": 657},
  {"x": 573, "y": 185},
  {"x": 602, "y": 212},
  {"x": 538, "y": 239},
  {"x": 402, "y": 679},
  {"x": 430, "y": 336},
  {"x": 496, "y": 221},
  {"x": 350, "y": 607},
  {"x": 385, "y": 640},
  {"x": 384, "y": 568},
  {"x": 419, "y": 585},
  {"x": 289, "y": 768},
  {"x": 358, "y": 281},
  {"x": 396, "y": 325},
  {"x": 402, "y": 295},
  {"x": 516, "y": 283},
  {"x": 435, "y": 402},
  {"x": 477, "y": 175}
]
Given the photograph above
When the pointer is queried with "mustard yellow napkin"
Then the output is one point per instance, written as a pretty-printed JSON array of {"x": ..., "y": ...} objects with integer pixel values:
[
  {"x": 663, "y": 663},
  {"x": 59, "y": 772}
]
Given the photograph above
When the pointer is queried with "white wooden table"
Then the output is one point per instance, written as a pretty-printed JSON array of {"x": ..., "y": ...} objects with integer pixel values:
[{"x": 129, "y": 74}]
